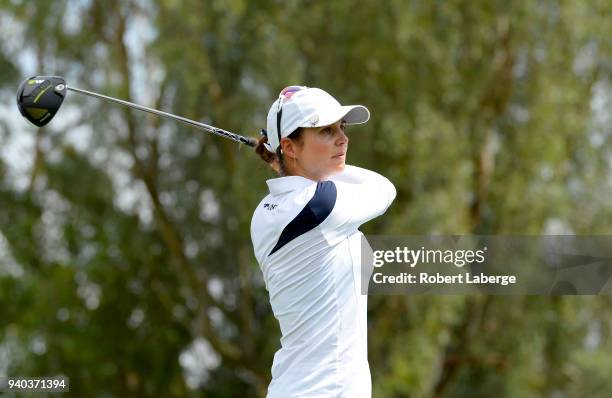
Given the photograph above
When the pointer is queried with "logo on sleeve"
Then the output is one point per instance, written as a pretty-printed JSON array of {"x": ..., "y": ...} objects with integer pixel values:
[{"x": 270, "y": 206}]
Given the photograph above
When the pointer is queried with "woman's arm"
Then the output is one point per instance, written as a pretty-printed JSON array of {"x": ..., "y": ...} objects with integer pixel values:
[
  {"x": 360, "y": 196},
  {"x": 356, "y": 175}
]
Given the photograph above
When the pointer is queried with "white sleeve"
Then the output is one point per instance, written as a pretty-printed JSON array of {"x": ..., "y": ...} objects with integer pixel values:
[{"x": 361, "y": 195}]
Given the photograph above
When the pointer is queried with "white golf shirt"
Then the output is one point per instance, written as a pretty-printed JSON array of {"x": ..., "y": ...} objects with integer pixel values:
[{"x": 306, "y": 241}]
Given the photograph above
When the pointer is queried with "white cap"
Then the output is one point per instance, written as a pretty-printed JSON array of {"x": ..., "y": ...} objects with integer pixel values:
[{"x": 309, "y": 107}]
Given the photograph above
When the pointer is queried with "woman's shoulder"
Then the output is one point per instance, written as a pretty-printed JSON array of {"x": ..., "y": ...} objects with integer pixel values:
[{"x": 274, "y": 211}]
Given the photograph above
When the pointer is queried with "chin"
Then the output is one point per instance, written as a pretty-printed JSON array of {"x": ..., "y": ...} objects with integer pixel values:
[{"x": 339, "y": 167}]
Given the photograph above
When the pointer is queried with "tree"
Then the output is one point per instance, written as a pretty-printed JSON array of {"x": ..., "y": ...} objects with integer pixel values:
[{"x": 127, "y": 251}]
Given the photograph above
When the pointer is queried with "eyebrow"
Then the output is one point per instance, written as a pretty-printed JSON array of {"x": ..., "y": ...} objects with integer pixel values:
[{"x": 329, "y": 125}]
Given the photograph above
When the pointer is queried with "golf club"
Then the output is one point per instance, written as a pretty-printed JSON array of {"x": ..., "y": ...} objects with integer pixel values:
[{"x": 40, "y": 97}]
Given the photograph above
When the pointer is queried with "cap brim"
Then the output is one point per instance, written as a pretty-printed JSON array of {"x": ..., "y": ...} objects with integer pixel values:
[
  {"x": 355, "y": 114},
  {"x": 352, "y": 114}
]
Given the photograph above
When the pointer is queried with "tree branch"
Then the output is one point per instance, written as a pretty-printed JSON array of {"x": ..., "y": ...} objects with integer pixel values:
[{"x": 170, "y": 235}]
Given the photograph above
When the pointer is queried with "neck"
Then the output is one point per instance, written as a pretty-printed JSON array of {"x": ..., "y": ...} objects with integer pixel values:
[{"x": 295, "y": 169}]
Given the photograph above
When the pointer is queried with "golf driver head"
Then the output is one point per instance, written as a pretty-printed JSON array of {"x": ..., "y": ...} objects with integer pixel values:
[{"x": 40, "y": 97}]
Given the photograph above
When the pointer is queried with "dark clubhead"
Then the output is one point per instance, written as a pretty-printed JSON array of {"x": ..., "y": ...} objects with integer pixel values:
[{"x": 40, "y": 97}]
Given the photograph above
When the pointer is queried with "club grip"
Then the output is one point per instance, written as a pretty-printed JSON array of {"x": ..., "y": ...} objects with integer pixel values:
[{"x": 250, "y": 141}]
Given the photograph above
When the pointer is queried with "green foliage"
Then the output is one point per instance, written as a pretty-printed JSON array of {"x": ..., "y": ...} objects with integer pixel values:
[{"x": 488, "y": 116}]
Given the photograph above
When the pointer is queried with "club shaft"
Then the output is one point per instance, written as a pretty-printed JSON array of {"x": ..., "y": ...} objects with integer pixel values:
[{"x": 201, "y": 126}]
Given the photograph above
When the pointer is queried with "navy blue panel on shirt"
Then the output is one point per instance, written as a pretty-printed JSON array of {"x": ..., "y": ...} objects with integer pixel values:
[{"x": 313, "y": 214}]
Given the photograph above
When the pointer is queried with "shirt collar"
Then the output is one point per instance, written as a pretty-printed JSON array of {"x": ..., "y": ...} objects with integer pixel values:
[{"x": 289, "y": 183}]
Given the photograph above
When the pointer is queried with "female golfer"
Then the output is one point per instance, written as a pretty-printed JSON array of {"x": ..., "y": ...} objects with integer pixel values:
[{"x": 307, "y": 244}]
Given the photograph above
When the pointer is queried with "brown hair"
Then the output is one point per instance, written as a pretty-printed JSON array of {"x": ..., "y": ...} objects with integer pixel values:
[{"x": 270, "y": 157}]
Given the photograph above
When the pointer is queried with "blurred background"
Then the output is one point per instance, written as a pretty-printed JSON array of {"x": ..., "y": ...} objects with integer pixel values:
[{"x": 125, "y": 256}]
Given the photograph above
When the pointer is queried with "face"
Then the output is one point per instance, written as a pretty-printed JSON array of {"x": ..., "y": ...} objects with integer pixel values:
[{"x": 320, "y": 154}]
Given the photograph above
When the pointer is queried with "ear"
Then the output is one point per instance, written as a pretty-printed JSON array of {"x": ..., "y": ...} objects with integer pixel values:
[{"x": 288, "y": 147}]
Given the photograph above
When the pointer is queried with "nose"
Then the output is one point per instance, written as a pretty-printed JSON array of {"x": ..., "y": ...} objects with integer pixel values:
[{"x": 342, "y": 137}]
